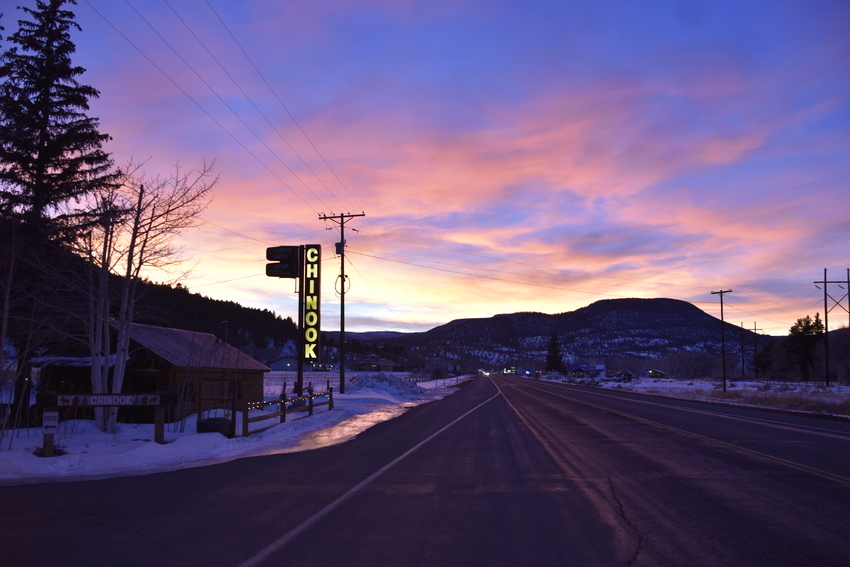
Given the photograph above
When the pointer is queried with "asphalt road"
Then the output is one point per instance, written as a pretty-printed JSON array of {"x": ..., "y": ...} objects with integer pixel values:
[{"x": 504, "y": 472}]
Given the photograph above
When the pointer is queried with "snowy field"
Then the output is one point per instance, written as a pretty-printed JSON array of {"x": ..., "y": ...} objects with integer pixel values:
[
  {"x": 90, "y": 453},
  {"x": 792, "y": 396}
]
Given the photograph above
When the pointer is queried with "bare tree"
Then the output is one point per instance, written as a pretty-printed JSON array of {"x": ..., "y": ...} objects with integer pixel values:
[
  {"x": 134, "y": 233},
  {"x": 96, "y": 244}
]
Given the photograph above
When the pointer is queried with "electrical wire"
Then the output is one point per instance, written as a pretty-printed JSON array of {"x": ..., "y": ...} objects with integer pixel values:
[
  {"x": 226, "y": 105},
  {"x": 200, "y": 107},
  {"x": 259, "y": 111},
  {"x": 274, "y": 93}
]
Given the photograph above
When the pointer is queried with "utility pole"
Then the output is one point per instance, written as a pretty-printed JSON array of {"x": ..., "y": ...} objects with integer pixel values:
[
  {"x": 743, "y": 370},
  {"x": 756, "y": 349},
  {"x": 722, "y": 334},
  {"x": 341, "y": 219},
  {"x": 827, "y": 309}
]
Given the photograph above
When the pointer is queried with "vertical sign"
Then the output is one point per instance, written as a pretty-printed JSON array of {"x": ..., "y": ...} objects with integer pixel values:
[{"x": 312, "y": 295}]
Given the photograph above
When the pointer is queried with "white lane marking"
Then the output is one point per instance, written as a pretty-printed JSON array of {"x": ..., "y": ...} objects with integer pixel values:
[{"x": 312, "y": 520}]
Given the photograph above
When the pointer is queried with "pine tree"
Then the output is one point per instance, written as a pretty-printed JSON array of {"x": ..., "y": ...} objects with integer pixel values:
[
  {"x": 50, "y": 155},
  {"x": 554, "y": 357},
  {"x": 802, "y": 341},
  {"x": 50, "y": 151}
]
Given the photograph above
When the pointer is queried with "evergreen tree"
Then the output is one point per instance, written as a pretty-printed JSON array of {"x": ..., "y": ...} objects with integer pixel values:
[
  {"x": 763, "y": 361},
  {"x": 50, "y": 155},
  {"x": 554, "y": 356},
  {"x": 50, "y": 151},
  {"x": 802, "y": 341}
]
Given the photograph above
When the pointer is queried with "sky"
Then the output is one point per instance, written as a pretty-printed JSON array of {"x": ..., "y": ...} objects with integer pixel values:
[{"x": 508, "y": 155}]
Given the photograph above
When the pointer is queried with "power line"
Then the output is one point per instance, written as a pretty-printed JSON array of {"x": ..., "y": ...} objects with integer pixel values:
[
  {"x": 221, "y": 99},
  {"x": 259, "y": 111},
  {"x": 274, "y": 93},
  {"x": 385, "y": 304},
  {"x": 200, "y": 107}
]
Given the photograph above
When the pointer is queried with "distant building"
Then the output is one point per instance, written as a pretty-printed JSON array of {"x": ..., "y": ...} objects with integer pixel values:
[
  {"x": 374, "y": 363},
  {"x": 625, "y": 375},
  {"x": 585, "y": 370}
]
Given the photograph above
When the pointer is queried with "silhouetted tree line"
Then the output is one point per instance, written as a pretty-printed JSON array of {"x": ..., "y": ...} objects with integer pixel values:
[
  {"x": 798, "y": 356},
  {"x": 258, "y": 332},
  {"x": 47, "y": 309}
]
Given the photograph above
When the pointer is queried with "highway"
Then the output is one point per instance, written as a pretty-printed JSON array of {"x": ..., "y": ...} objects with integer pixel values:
[{"x": 506, "y": 471}]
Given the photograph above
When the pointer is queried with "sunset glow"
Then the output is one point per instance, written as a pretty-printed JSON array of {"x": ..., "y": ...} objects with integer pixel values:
[{"x": 509, "y": 156}]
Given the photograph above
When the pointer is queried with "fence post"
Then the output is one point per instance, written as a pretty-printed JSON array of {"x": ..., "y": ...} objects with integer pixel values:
[
  {"x": 330, "y": 398},
  {"x": 310, "y": 396}
]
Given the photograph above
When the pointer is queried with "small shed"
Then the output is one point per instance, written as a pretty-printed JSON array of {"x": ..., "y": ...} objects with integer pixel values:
[
  {"x": 189, "y": 363},
  {"x": 202, "y": 370}
]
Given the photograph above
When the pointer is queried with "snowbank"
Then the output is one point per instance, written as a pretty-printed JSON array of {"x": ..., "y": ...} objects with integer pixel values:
[{"x": 90, "y": 453}]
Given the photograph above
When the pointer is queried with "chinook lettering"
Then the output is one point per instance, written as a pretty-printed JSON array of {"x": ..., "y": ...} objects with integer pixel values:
[{"x": 312, "y": 300}]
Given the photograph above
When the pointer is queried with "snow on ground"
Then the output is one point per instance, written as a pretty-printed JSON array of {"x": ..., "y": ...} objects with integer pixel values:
[
  {"x": 704, "y": 388},
  {"x": 791, "y": 396},
  {"x": 91, "y": 454}
]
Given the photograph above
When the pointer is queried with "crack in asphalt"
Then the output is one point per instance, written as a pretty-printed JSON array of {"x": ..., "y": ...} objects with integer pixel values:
[{"x": 639, "y": 535}]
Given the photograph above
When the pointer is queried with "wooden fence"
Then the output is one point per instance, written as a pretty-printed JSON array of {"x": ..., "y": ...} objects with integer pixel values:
[{"x": 286, "y": 405}]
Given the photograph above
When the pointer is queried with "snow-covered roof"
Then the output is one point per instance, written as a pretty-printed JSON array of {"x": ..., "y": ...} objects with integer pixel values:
[
  {"x": 73, "y": 361},
  {"x": 192, "y": 349}
]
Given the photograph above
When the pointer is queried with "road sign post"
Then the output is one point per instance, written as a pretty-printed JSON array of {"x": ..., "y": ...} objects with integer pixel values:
[
  {"x": 49, "y": 425},
  {"x": 50, "y": 402}
]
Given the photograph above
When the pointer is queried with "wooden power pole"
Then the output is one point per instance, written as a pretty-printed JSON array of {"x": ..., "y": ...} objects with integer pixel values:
[
  {"x": 341, "y": 219},
  {"x": 827, "y": 308},
  {"x": 722, "y": 334}
]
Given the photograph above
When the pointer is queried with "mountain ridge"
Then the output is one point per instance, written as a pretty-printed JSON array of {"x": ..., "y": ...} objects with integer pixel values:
[{"x": 629, "y": 327}]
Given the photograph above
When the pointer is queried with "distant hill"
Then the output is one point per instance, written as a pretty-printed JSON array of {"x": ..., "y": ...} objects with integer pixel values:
[
  {"x": 637, "y": 328},
  {"x": 365, "y": 335}
]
